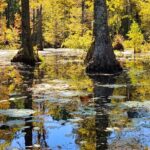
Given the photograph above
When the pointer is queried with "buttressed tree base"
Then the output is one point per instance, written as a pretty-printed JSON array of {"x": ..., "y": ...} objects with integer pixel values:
[{"x": 102, "y": 59}]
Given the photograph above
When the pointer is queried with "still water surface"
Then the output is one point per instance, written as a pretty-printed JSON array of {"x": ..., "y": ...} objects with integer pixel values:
[{"x": 56, "y": 106}]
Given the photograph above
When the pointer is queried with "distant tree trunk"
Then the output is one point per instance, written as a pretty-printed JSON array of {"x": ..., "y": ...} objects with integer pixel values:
[
  {"x": 33, "y": 36},
  {"x": 126, "y": 22},
  {"x": 26, "y": 54},
  {"x": 83, "y": 16},
  {"x": 65, "y": 18},
  {"x": 8, "y": 13},
  {"x": 102, "y": 58},
  {"x": 56, "y": 42},
  {"x": 39, "y": 30},
  {"x": 37, "y": 35},
  {"x": 129, "y": 12}
]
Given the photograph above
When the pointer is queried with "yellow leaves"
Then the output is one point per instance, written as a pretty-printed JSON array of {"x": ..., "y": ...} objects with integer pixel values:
[
  {"x": 35, "y": 3},
  {"x": 78, "y": 41},
  {"x": 4, "y": 145},
  {"x": 9, "y": 35},
  {"x": 117, "y": 5},
  {"x": 3, "y": 5},
  {"x": 17, "y": 22},
  {"x": 90, "y": 4},
  {"x": 4, "y": 104},
  {"x": 11, "y": 78},
  {"x": 145, "y": 6},
  {"x": 116, "y": 13},
  {"x": 136, "y": 37},
  {"x": 83, "y": 131}
]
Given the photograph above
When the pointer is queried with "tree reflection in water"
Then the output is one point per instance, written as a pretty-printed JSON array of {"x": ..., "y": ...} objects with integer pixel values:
[
  {"x": 101, "y": 98},
  {"x": 28, "y": 81}
]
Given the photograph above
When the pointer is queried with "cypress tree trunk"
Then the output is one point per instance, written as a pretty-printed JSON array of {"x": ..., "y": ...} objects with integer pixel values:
[
  {"x": 26, "y": 54},
  {"x": 102, "y": 59}
]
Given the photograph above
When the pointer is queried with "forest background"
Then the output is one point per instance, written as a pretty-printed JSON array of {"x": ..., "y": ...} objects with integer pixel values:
[{"x": 69, "y": 23}]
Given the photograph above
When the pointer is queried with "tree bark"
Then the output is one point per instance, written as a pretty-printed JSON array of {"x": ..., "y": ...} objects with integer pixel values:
[
  {"x": 26, "y": 54},
  {"x": 8, "y": 13},
  {"x": 40, "y": 31},
  {"x": 34, "y": 27},
  {"x": 103, "y": 59},
  {"x": 37, "y": 35},
  {"x": 83, "y": 16}
]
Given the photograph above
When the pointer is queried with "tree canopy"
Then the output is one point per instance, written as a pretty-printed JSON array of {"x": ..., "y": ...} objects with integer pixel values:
[{"x": 70, "y": 23}]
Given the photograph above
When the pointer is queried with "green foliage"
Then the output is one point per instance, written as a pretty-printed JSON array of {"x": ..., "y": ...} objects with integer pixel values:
[
  {"x": 55, "y": 19},
  {"x": 145, "y": 47},
  {"x": 116, "y": 13},
  {"x": 10, "y": 39},
  {"x": 136, "y": 37},
  {"x": 145, "y": 18},
  {"x": 78, "y": 41},
  {"x": 9, "y": 30},
  {"x": 69, "y": 23}
]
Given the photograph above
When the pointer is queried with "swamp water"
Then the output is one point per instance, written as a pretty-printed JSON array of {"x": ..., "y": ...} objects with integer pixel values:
[{"x": 56, "y": 106}]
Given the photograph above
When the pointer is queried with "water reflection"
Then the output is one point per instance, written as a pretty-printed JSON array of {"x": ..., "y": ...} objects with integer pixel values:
[
  {"x": 71, "y": 110},
  {"x": 28, "y": 105},
  {"x": 27, "y": 81},
  {"x": 101, "y": 96}
]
